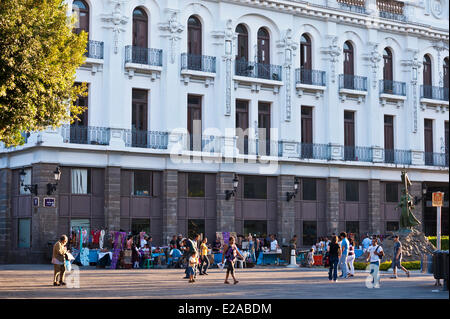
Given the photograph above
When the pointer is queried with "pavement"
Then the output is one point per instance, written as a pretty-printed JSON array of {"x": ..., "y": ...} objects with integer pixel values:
[{"x": 35, "y": 281}]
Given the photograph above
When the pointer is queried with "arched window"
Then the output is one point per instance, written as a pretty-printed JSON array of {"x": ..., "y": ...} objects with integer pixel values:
[
  {"x": 446, "y": 73},
  {"x": 427, "y": 79},
  {"x": 242, "y": 49},
  {"x": 263, "y": 46},
  {"x": 81, "y": 9},
  {"x": 387, "y": 69},
  {"x": 140, "y": 28},
  {"x": 305, "y": 52},
  {"x": 194, "y": 36},
  {"x": 348, "y": 58}
]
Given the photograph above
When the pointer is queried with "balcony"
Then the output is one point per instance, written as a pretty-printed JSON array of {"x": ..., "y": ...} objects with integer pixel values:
[
  {"x": 391, "y": 9},
  {"x": 392, "y": 87},
  {"x": 146, "y": 139},
  {"x": 436, "y": 159},
  {"x": 310, "y": 77},
  {"x": 352, "y": 82},
  {"x": 145, "y": 61},
  {"x": 80, "y": 134},
  {"x": 259, "y": 147},
  {"x": 258, "y": 70},
  {"x": 434, "y": 93},
  {"x": 315, "y": 151},
  {"x": 94, "y": 50},
  {"x": 394, "y": 156},
  {"x": 357, "y": 6},
  {"x": 358, "y": 154},
  {"x": 201, "y": 63}
]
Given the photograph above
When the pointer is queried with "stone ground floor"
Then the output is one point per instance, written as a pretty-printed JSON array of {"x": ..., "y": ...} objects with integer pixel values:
[{"x": 34, "y": 281}]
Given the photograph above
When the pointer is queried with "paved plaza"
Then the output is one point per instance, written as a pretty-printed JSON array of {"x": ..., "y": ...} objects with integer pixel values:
[{"x": 34, "y": 281}]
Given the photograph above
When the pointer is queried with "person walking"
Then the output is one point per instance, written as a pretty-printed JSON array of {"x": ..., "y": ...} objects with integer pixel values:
[
  {"x": 229, "y": 254},
  {"x": 374, "y": 253},
  {"x": 397, "y": 260},
  {"x": 334, "y": 252},
  {"x": 366, "y": 242},
  {"x": 58, "y": 259},
  {"x": 344, "y": 255},
  {"x": 192, "y": 263},
  {"x": 351, "y": 258},
  {"x": 204, "y": 257}
]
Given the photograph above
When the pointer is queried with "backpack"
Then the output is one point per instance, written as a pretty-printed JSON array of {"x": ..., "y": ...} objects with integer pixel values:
[{"x": 381, "y": 254}]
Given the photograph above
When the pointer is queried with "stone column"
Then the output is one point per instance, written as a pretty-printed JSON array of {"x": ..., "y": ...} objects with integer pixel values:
[
  {"x": 416, "y": 190},
  {"x": 170, "y": 205},
  {"x": 286, "y": 210},
  {"x": 44, "y": 221},
  {"x": 5, "y": 214},
  {"x": 112, "y": 198},
  {"x": 225, "y": 208},
  {"x": 332, "y": 205},
  {"x": 374, "y": 189}
]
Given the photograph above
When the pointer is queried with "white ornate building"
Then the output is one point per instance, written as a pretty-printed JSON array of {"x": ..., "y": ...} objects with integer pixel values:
[{"x": 347, "y": 93}]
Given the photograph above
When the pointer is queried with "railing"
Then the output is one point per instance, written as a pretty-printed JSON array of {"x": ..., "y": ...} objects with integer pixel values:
[
  {"x": 436, "y": 159},
  {"x": 352, "y": 82},
  {"x": 258, "y": 70},
  {"x": 146, "y": 139},
  {"x": 265, "y": 147},
  {"x": 390, "y": 6},
  {"x": 393, "y": 16},
  {"x": 146, "y": 56},
  {"x": 195, "y": 62},
  {"x": 94, "y": 49},
  {"x": 80, "y": 134},
  {"x": 315, "y": 151},
  {"x": 397, "y": 156},
  {"x": 357, "y": 6},
  {"x": 434, "y": 92},
  {"x": 358, "y": 153},
  {"x": 393, "y": 87},
  {"x": 312, "y": 77}
]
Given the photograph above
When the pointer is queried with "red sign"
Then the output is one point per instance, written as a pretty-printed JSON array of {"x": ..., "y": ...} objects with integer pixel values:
[{"x": 438, "y": 198}]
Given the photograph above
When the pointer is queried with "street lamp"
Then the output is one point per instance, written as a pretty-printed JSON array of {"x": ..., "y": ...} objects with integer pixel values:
[
  {"x": 229, "y": 193},
  {"x": 291, "y": 195},
  {"x": 30, "y": 187},
  {"x": 417, "y": 199},
  {"x": 52, "y": 187}
]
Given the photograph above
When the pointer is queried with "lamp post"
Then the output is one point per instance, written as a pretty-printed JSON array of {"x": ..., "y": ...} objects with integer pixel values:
[
  {"x": 229, "y": 193},
  {"x": 52, "y": 187},
  {"x": 30, "y": 187}
]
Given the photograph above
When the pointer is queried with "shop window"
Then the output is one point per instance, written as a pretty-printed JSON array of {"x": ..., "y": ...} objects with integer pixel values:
[
  {"x": 352, "y": 227},
  {"x": 24, "y": 233},
  {"x": 141, "y": 183},
  {"x": 81, "y": 181},
  {"x": 392, "y": 192},
  {"x": 309, "y": 189},
  {"x": 255, "y": 187},
  {"x": 309, "y": 232},
  {"x": 196, "y": 185},
  {"x": 392, "y": 226},
  {"x": 26, "y": 181},
  {"x": 258, "y": 228},
  {"x": 352, "y": 191},
  {"x": 140, "y": 225},
  {"x": 196, "y": 226}
]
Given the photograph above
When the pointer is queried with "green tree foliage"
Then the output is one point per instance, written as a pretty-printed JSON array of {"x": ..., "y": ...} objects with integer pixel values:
[{"x": 39, "y": 55}]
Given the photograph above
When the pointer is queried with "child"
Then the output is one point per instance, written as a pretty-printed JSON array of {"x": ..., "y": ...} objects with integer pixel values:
[
  {"x": 310, "y": 258},
  {"x": 193, "y": 261}
]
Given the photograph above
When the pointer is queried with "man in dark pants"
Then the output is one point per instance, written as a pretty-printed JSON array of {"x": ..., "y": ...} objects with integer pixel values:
[{"x": 58, "y": 258}]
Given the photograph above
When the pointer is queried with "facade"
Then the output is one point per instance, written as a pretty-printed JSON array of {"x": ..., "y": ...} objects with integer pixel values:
[{"x": 188, "y": 97}]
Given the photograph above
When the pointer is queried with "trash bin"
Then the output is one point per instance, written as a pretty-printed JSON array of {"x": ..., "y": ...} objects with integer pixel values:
[
  {"x": 49, "y": 254},
  {"x": 437, "y": 264}
]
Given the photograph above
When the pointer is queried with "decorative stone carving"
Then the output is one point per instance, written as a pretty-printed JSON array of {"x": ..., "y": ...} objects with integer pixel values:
[
  {"x": 334, "y": 51},
  {"x": 174, "y": 28},
  {"x": 375, "y": 57},
  {"x": 117, "y": 19},
  {"x": 437, "y": 8},
  {"x": 414, "y": 64},
  {"x": 440, "y": 47}
]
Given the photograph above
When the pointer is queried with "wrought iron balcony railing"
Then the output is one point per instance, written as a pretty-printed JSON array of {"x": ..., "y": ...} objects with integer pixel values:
[
  {"x": 393, "y": 87},
  {"x": 397, "y": 156},
  {"x": 140, "y": 55},
  {"x": 353, "y": 5},
  {"x": 258, "y": 70},
  {"x": 393, "y": 16},
  {"x": 434, "y": 92},
  {"x": 195, "y": 62},
  {"x": 80, "y": 134},
  {"x": 436, "y": 159},
  {"x": 352, "y": 82},
  {"x": 358, "y": 153},
  {"x": 94, "y": 49},
  {"x": 146, "y": 139},
  {"x": 315, "y": 151},
  {"x": 312, "y": 77}
]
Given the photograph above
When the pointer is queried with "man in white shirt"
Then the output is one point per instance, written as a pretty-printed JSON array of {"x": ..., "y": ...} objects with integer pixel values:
[
  {"x": 273, "y": 243},
  {"x": 373, "y": 256},
  {"x": 366, "y": 242}
]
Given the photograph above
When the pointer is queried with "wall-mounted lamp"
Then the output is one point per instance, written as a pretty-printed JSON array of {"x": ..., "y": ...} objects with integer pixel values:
[
  {"x": 229, "y": 193},
  {"x": 291, "y": 195},
  {"x": 417, "y": 199},
  {"x": 30, "y": 187},
  {"x": 52, "y": 187}
]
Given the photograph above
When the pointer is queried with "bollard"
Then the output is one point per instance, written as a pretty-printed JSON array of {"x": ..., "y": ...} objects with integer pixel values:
[{"x": 293, "y": 263}]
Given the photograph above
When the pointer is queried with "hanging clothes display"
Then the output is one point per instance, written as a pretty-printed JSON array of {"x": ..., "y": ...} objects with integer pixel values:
[
  {"x": 119, "y": 244},
  {"x": 102, "y": 235}
]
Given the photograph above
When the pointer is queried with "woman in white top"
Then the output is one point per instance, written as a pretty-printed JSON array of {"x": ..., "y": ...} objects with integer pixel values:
[{"x": 351, "y": 258}]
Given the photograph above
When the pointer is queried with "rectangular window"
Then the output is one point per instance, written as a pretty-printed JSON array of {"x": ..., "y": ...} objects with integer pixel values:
[
  {"x": 140, "y": 225},
  {"x": 24, "y": 233},
  {"x": 258, "y": 228},
  {"x": 391, "y": 192},
  {"x": 392, "y": 226},
  {"x": 141, "y": 183},
  {"x": 81, "y": 181},
  {"x": 26, "y": 181},
  {"x": 309, "y": 232},
  {"x": 196, "y": 185},
  {"x": 255, "y": 187},
  {"x": 196, "y": 226},
  {"x": 309, "y": 189},
  {"x": 352, "y": 191},
  {"x": 352, "y": 227},
  {"x": 76, "y": 224},
  {"x": 194, "y": 122}
]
